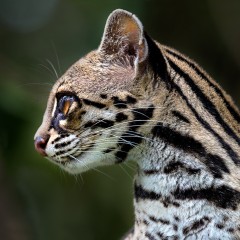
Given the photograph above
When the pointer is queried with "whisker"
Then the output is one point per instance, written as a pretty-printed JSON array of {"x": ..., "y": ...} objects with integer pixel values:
[
  {"x": 117, "y": 130},
  {"x": 124, "y": 170},
  {"x": 77, "y": 177},
  {"x": 56, "y": 54},
  {"x": 47, "y": 68},
  {"x": 122, "y": 111},
  {"x": 119, "y": 124},
  {"x": 106, "y": 175},
  {"x": 54, "y": 70},
  {"x": 129, "y": 166}
]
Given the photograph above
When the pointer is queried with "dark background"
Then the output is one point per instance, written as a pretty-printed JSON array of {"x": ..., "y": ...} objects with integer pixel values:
[{"x": 37, "y": 200}]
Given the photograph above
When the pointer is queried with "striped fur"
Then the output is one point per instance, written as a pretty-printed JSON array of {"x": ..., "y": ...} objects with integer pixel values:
[{"x": 135, "y": 99}]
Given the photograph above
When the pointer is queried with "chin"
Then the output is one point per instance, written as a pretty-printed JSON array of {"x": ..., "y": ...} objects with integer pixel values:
[
  {"x": 81, "y": 164},
  {"x": 73, "y": 168}
]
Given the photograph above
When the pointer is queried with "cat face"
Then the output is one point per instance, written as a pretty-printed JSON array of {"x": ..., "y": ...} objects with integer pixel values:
[
  {"x": 96, "y": 109},
  {"x": 89, "y": 126}
]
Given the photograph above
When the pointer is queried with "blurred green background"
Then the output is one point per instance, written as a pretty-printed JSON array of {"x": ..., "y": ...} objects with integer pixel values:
[{"x": 37, "y": 200}]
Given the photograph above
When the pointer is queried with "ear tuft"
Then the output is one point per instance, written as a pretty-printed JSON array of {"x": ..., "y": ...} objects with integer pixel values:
[{"x": 123, "y": 36}]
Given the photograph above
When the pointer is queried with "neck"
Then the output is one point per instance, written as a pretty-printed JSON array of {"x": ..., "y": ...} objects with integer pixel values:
[{"x": 175, "y": 195}]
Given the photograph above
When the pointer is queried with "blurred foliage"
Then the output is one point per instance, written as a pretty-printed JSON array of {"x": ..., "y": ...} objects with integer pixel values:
[{"x": 37, "y": 200}]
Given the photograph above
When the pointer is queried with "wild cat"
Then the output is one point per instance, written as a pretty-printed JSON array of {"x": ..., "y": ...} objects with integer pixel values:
[{"x": 134, "y": 99}]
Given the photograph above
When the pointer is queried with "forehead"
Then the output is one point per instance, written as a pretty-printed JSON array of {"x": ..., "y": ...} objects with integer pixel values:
[{"x": 93, "y": 74}]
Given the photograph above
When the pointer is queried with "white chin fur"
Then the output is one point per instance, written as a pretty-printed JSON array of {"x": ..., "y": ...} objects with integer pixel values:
[{"x": 85, "y": 163}]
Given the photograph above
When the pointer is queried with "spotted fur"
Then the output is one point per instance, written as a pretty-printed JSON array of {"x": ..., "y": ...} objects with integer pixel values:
[{"x": 135, "y": 99}]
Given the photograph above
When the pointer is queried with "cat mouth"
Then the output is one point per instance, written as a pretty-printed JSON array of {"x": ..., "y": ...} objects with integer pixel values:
[{"x": 65, "y": 161}]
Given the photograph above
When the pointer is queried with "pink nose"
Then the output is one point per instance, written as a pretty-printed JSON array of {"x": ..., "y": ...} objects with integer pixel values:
[{"x": 40, "y": 144}]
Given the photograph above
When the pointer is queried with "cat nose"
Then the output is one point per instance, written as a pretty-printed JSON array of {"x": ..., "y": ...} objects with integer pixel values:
[{"x": 40, "y": 144}]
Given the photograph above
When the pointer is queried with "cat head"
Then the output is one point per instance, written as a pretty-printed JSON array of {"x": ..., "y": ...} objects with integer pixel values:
[{"x": 96, "y": 110}]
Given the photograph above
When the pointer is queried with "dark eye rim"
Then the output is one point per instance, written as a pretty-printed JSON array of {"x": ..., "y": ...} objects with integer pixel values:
[{"x": 62, "y": 97}]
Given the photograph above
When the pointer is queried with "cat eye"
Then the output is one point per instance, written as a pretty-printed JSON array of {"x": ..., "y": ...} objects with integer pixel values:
[{"x": 64, "y": 104}]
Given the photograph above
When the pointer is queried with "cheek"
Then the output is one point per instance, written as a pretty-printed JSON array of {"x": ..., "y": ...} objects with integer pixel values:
[
  {"x": 64, "y": 124},
  {"x": 72, "y": 123},
  {"x": 59, "y": 144},
  {"x": 50, "y": 150}
]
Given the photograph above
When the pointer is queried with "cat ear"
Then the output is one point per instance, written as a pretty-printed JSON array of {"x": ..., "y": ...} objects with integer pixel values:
[{"x": 123, "y": 37}]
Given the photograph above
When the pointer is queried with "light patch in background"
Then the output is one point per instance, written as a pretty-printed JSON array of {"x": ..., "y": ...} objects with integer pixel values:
[
  {"x": 227, "y": 19},
  {"x": 26, "y": 15}
]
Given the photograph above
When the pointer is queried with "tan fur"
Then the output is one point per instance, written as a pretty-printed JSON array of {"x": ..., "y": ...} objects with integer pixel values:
[{"x": 122, "y": 70}]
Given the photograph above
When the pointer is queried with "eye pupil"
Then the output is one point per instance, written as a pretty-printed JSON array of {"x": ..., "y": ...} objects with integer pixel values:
[{"x": 66, "y": 106}]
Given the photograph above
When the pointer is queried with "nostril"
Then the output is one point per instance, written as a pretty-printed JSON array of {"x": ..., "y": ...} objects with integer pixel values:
[{"x": 40, "y": 144}]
